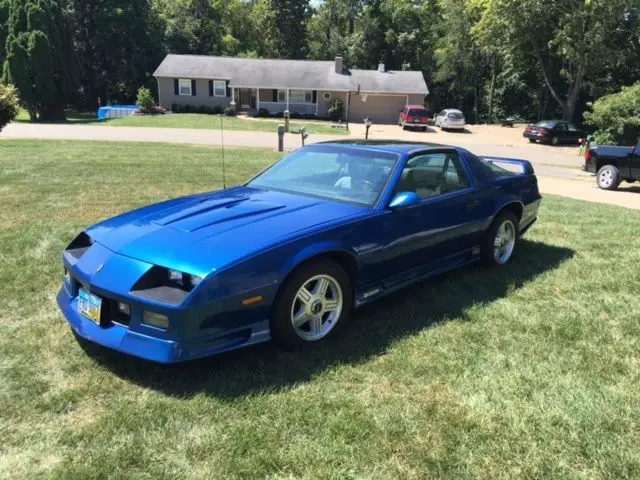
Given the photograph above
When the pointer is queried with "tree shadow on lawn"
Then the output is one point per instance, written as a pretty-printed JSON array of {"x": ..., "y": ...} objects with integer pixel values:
[{"x": 373, "y": 329}]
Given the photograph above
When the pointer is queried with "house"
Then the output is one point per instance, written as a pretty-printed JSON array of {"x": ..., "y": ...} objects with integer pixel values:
[{"x": 302, "y": 86}]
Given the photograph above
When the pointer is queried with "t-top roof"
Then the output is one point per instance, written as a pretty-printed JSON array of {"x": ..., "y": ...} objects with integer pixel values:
[{"x": 299, "y": 74}]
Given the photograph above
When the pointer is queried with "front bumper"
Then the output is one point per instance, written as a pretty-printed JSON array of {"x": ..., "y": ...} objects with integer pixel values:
[{"x": 122, "y": 339}]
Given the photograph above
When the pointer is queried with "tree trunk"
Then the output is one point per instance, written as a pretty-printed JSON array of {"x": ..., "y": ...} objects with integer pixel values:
[
  {"x": 492, "y": 89},
  {"x": 568, "y": 105},
  {"x": 52, "y": 113}
]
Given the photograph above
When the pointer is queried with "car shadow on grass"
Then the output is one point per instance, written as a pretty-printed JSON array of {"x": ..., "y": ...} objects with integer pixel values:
[{"x": 372, "y": 330}]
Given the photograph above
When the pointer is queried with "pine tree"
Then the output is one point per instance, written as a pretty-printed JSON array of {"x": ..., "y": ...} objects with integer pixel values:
[{"x": 40, "y": 56}]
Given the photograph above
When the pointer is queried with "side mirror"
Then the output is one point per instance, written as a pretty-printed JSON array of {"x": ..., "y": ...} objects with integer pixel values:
[{"x": 404, "y": 199}]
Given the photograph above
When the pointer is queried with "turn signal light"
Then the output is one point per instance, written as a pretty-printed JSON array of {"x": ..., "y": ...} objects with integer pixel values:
[{"x": 155, "y": 320}]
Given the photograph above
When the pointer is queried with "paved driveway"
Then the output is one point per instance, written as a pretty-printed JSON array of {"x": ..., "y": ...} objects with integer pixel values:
[{"x": 558, "y": 168}]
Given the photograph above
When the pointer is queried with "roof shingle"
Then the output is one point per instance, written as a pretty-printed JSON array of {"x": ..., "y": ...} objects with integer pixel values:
[{"x": 300, "y": 74}]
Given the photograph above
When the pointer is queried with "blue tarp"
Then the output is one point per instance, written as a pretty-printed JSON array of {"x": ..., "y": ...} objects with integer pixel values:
[{"x": 113, "y": 111}]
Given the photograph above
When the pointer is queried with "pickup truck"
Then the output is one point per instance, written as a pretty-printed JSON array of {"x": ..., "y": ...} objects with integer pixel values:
[{"x": 612, "y": 164}]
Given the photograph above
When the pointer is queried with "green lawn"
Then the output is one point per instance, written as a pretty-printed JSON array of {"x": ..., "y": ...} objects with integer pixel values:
[
  {"x": 529, "y": 371},
  {"x": 200, "y": 121}
]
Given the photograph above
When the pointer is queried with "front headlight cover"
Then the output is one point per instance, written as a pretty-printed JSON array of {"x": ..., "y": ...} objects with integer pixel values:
[{"x": 165, "y": 285}]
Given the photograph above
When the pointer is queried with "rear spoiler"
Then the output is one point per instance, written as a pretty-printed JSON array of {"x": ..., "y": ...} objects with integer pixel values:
[{"x": 512, "y": 164}]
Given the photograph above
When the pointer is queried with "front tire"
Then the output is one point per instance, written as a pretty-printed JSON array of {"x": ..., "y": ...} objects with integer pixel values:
[
  {"x": 501, "y": 240},
  {"x": 608, "y": 177},
  {"x": 313, "y": 305}
]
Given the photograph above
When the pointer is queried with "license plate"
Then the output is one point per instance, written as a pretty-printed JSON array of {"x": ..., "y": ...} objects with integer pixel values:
[{"x": 89, "y": 305}]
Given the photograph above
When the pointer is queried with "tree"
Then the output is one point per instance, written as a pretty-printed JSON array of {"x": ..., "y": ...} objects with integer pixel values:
[
  {"x": 40, "y": 56},
  {"x": 569, "y": 39},
  {"x": 282, "y": 26},
  {"x": 328, "y": 30},
  {"x": 617, "y": 117},
  {"x": 119, "y": 44},
  {"x": 4, "y": 16}
]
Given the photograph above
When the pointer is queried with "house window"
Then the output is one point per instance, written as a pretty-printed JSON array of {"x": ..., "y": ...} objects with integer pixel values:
[
  {"x": 301, "y": 96},
  {"x": 282, "y": 96},
  {"x": 219, "y": 88},
  {"x": 184, "y": 86}
]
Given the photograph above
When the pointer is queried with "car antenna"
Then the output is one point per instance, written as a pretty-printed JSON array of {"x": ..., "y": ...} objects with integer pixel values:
[{"x": 224, "y": 176}]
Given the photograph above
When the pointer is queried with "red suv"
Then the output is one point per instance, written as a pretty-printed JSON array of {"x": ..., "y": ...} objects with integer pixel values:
[{"x": 414, "y": 116}]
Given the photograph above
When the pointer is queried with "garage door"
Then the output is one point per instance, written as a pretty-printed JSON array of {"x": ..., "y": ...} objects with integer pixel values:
[{"x": 379, "y": 108}]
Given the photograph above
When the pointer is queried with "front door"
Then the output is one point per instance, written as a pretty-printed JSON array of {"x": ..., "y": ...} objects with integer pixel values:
[
  {"x": 439, "y": 231},
  {"x": 245, "y": 99}
]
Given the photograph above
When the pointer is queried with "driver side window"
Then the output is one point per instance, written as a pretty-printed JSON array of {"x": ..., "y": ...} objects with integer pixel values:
[{"x": 433, "y": 174}]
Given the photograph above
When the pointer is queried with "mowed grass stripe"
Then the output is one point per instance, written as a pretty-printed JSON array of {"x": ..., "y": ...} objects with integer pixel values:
[{"x": 528, "y": 371}]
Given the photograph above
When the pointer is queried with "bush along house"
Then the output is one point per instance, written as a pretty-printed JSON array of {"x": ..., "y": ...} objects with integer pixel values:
[{"x": 322, "y": 89}]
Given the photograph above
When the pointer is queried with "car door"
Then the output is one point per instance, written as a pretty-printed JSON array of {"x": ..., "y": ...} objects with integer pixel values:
[
  {"x": 560, "y": 131},
  {"x": 442, "y": 228},
  {"x": 572, "y": 134}
]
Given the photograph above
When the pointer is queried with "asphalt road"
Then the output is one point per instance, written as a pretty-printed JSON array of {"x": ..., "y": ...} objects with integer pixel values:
[{"x": 558, "y": 168}]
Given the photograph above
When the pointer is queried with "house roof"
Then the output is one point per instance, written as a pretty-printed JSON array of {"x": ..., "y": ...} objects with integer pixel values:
[{"x": 299, "y": 74}]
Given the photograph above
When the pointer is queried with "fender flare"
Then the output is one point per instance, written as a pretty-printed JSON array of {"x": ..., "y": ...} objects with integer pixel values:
[{"x": 311, "y": 251}]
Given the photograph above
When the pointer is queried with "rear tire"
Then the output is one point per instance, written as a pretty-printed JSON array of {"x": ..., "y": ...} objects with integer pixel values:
[
  {"x": 424, "y": 129},
  {"x": 532, "y": 140},
  {"x": 608, "y": 177},
  {"x": 313, "y": 305},
  {"x": 501, "y": 240},
  {"x": 555, "y": 140}
]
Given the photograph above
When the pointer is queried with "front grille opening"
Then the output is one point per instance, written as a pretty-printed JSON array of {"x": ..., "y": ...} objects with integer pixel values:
[{"x": 110, "y": 313}]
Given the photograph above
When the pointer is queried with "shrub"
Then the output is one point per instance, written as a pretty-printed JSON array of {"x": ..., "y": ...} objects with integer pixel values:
[
  {"x": 145, "y": 101},
  {"x": 230, "y": 112},
  {"x": 217, "y": 110},
  {"x": 175, "y": 108},
  {"x": 616, "y": 117},
  {"x": 9, "y": 104},
  {"x": 336, "y": 110},
  {"x": 263, "y": 113},
  {"x": 204, "y": 109}
]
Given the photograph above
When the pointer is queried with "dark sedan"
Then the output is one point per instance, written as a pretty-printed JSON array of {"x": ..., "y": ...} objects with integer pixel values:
[{"x": 554, "y": 132}]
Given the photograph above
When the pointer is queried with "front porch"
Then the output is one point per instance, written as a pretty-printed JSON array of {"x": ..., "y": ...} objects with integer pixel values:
[{"x": 275, "y": 101}]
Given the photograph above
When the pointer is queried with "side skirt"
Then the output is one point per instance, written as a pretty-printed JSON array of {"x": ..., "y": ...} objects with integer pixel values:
[{"x": 369, "y": 293}]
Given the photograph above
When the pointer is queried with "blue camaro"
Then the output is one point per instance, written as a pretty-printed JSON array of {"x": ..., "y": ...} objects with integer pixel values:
[{"x": 288, "y": 255}]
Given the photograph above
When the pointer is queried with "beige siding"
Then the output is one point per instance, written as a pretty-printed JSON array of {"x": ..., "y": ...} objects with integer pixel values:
[
  {"x": 266, "y": 95},
  {"x": 380, "y": 108},
  {"x": 167, "y": 96}
]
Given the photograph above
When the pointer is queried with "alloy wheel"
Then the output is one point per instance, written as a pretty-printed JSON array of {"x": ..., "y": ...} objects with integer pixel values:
[
  {"x": 316, "y": 307},
  {"x": 504, "y": 242}
]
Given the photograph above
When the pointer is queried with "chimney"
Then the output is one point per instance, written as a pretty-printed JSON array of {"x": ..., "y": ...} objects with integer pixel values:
[
  {"x": 338, "y": 64},
  {"x": 381, "y": 67}
]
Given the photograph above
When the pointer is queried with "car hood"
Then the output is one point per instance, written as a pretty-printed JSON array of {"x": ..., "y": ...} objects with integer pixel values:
[{"x": 202, "y": 233}]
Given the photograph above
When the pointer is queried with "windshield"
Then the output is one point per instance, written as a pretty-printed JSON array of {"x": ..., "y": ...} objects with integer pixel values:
[
  {"x": 546, "y": 124},
  {"x": 418, "y": 113},
  {"x": 455, "y": 115},
  {"x": 333, "y": 173}
]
